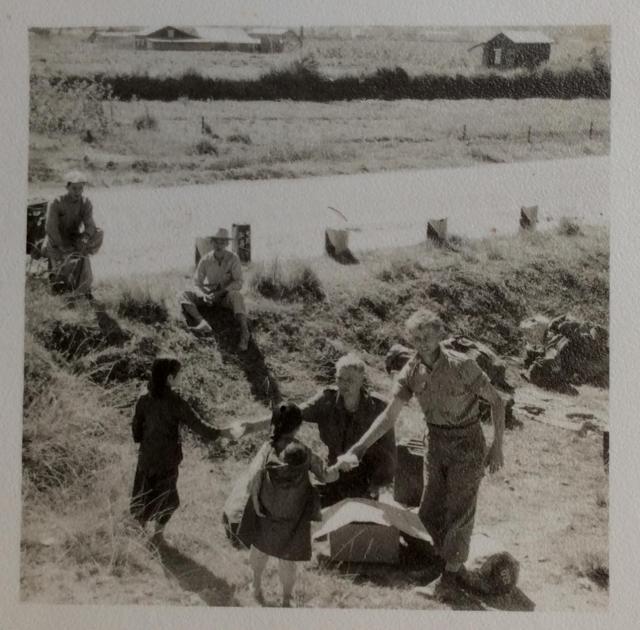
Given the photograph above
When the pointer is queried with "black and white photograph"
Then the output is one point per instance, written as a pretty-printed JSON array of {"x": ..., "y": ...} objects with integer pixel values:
[{"x": 316, "y": 314}]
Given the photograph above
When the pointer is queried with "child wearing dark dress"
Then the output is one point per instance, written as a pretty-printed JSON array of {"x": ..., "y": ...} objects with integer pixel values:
[
  {"x": 277, "y": 518},
  {"x": 156, "y": 428}
]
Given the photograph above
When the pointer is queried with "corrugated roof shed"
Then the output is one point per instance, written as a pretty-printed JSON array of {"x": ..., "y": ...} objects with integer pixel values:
[
  {"x": 527, "y": 37},
  {"x": 224, "y": 35},
  {"x": 270, "y": 30},
  {"x": 150, "y": 30}
]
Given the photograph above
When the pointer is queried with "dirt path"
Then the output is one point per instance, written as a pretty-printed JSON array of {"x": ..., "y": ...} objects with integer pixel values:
[{"x": 150, "y": 230}]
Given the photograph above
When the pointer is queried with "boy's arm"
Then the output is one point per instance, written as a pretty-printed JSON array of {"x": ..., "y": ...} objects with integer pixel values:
[
  {"x": 378, "y": 428},
  {"x": 495, "y": 457}
]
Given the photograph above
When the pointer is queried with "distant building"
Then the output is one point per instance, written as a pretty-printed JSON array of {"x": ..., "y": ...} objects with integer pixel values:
[
  {"x": 516, "y": 49},
  {"x": 115, "y": 39},
  {"x": 274, "y": 39},
  {"x": 214, "y": 38}
]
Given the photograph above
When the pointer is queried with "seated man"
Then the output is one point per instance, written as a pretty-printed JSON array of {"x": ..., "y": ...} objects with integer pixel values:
[
  {"x": 344, "y": 414},
  {"x": 218, "y": 280},
  {"x": 66, "y": 246}
]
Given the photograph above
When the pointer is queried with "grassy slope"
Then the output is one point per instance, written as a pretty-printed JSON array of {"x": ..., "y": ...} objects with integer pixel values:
[
  {"x": 78, "y": 544},
  {"x": 287, "y": 139}
]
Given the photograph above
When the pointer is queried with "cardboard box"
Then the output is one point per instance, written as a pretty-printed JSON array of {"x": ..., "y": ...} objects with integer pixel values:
[{"x": 365, "y": 542}]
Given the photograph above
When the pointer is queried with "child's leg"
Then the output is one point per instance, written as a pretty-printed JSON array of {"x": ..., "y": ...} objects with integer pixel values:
[
  {"x": 258, "y": 561},
  {"x": 287, "y": 570}
]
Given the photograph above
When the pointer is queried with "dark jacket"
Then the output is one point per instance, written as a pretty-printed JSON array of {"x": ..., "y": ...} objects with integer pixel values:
[
  {"x": 156, "y": 427},
  {"x": 339, "y": 430}
]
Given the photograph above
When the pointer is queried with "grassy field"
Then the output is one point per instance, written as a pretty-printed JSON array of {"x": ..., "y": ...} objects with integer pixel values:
[
  {"x": 261, "y": 140},
  {"x": 338, "y": 51},
  {"x": 549, "y": 506}
]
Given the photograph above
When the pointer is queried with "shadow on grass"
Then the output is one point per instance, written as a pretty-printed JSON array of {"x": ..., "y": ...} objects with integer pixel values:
[
  {"x": 410, "y": 575},
  {"x": 226, "y": 332},
  {"x": 195, "y": 577}
]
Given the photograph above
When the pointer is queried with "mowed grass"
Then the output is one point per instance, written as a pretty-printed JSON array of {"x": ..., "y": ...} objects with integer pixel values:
[
  {"x": 548, "y": 507},
  {"x": 339, "y": 51},
  {"x": 262, "y": 140}
]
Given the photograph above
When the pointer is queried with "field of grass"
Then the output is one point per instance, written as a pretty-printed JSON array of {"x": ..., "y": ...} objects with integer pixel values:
[
  {"x": 339, "y": 51},
  {"x": 261, "y": 140},
  {"x": 549, "y": 506}
]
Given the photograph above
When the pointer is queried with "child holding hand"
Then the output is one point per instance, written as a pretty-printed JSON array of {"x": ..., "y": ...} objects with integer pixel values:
[{"x": 277, "y": 519}]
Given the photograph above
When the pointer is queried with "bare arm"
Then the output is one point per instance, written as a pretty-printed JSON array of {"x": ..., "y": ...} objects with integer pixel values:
[
  {"x": 52, "y": 226},
  {"x": 495, "y": 459},
  {"x": 380, "y": 426},
  {"x": 200, "y": 276},
  {"x": 87, "y": 218}
]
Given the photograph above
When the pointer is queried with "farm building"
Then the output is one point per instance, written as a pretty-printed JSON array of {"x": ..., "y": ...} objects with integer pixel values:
[
  {"x": 115, "y": 39},
  {"x": 215, "y": 38},
  {"x": 516, "y": 49},
  {"x": 276, "y": 39}
]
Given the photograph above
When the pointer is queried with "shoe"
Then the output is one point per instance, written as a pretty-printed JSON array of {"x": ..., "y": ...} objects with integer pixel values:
[
  {"x": 202, "y": 328},
  {"x": 446, "y": 589},
  {"x": 471, "y": 581}
]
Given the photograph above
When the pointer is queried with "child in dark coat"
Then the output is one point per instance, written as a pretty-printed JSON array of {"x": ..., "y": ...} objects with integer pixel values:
[
  {"x": 277, "y": 518},
  {"x": 156, "y": 427}
]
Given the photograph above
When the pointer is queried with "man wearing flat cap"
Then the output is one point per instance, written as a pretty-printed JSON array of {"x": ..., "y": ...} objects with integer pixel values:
[
  {"x": 217, "y": 280},
  {"x": 67, "y": 246}
]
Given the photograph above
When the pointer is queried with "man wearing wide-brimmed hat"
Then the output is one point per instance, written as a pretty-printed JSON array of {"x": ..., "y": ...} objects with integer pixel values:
[
  {"x": 218, "y": 280},
  {"x": 67, "y": 246}
]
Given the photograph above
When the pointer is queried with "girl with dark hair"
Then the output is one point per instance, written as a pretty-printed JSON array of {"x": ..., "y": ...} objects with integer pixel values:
[
  {"x": 156, "y": 427},
  {"x": 277, "y": 518}
]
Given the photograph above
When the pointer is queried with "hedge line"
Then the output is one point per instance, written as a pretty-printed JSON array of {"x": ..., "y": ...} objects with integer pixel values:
[{"x": 387, "y": 84}]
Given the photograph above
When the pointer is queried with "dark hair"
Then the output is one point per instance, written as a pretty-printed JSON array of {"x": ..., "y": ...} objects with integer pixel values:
[
  {"x": 162, "y": 368},
  {"x": 286, "y": 418},
  {"x": 294, "y": 454}
]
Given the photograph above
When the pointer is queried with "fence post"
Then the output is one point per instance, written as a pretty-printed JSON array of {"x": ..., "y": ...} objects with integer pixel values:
[
  {"x": 591, "y": 130},
  {"x": 437, "y": 231},
  {"x": 336, "y": 242},
  {"x": 528, "y": 217},
  {"x": 241, "y": 243},
  {"x": 464, "y": 132},
  {"x": 529, "y": 136}
]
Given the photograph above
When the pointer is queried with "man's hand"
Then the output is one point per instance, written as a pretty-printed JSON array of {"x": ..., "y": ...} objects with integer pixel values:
[
  {"x": 347, "y": 462},
  {"x": 494, "y": 459}
]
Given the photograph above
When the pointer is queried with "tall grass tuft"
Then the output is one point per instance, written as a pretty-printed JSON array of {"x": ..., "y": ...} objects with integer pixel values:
[
  {"x": 569, "y": 227},
  {"x": 140, "y": 303},
  {"x": 71, "y": 106},
  {"x": 146, "y": 121},
  {"x": 296, "y": 281}
]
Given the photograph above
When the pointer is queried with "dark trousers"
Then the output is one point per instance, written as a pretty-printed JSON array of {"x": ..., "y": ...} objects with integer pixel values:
[
  {"x": 155, "y": 495},
  {"x": 454, "y": 467}
]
